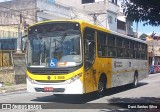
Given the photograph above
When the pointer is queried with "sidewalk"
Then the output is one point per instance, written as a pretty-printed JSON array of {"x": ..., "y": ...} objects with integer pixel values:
[{"x": 12, "y": 88}]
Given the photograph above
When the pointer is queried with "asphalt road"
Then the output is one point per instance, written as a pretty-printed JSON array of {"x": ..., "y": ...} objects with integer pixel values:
[{"x": 148, "y": 91}]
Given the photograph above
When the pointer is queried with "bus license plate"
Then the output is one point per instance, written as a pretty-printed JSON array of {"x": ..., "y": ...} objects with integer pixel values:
[{"x": 48, "y": 89}]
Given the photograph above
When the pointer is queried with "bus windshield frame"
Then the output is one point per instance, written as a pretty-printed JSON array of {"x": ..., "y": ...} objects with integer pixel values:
[{"x": 54, "y": 45}]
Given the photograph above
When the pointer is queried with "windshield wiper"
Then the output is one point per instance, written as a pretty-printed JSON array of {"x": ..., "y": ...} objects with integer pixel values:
[
  {"x": 62, "y": 39},
  {"x": 60, "y": 43}
]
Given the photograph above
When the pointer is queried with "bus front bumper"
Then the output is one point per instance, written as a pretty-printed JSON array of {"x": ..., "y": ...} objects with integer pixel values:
[{"x": 75, "y": 87}]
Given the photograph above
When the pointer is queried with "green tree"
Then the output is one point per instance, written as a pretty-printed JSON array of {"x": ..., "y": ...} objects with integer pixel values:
[
  {"x": 147, "y": 11},
  {"x": 143, "y": 36}
]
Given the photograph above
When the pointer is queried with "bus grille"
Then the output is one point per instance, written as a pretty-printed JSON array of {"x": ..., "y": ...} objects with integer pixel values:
[
  {"x": 49, "y": 81},
  {"x": 52, "y": 71},
  {"x": 48, "y": 71}
]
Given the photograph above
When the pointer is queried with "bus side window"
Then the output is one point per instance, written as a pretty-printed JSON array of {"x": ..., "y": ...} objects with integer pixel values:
[
  {"x": 119, "y": 43},
  {"x": 119, "y": 52},
  {"x": 111, "y": 40},
  {"x": 102, "y": 42},
  {"x": 127, "y": 53},
  {"x": 126, "y": 45},
  {"x": 112, "y": 51},
  {"x": 132, "y": 51}
]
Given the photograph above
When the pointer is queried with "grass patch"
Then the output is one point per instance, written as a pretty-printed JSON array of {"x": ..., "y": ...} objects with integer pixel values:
[{"x": 8, "y": 84}]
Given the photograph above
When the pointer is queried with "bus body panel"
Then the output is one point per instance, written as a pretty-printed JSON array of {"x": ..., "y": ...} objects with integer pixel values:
[
  {"x": 92, "y": 76},
  {"x": 105, "y": 66},
  {"x": 36, "y": 82},
  {"x": 58, "y": 88},
  {"x": 124, "y": 70}
]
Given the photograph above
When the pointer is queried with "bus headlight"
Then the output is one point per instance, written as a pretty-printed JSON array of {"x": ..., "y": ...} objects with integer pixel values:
[
  {"x": 32, "y": 81},
  {"x": 74, "y": 78}
]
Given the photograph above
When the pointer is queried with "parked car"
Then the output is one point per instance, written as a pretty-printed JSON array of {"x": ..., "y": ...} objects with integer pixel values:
[
  {"x": 151, "y": 70},
  {"x": 154, "y": 69}
]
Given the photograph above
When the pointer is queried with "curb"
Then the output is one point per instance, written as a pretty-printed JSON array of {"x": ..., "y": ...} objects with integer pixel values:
[{"x": 12, "y": 90}]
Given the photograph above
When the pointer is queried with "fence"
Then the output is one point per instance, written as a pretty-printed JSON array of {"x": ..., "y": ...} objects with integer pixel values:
[
  {"x": 154, "y": 69},
  {"x": 6, "y": 58},
  {"x": 6, "y": 66},
  {"x": 12, "y": 66},
  {"x": 8, "y": 47},
  {"x": 7, "y": 75}
]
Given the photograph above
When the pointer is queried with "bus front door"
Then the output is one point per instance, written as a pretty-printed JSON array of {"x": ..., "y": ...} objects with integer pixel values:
[
  {"x": 90, "y": 68},
  {"x": 89, "y": 60}
]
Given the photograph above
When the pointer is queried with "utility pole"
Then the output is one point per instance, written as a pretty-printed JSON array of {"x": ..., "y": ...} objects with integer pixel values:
[
  {"x": 153, "y": 54},
  {"x": 95, "y": 16},
  {"x": 19, "y": 35},
  {"x": 137, "y": 29},
  {"x": 99, "y": 12},
  {"x": 153, "y": 51}
]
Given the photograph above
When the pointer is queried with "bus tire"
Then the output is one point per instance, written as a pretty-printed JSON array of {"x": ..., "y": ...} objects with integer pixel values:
[
  {"x": 101, "y": 86},
  {"x": 135, "y": 82}
]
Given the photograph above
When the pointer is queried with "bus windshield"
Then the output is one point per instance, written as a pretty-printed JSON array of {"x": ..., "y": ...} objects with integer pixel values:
[{"x": 54, "y": 45}]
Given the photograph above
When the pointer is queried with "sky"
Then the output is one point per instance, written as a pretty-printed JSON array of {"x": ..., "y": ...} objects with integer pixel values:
[{"x": 147, "y": 29}]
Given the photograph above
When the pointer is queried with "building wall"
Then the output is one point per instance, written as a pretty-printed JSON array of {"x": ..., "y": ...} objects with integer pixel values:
[
  {"x": 46, "y": 10},
  {"x": 63, "y": 9},
  {"x": 31, "y": 11},
  {"x": 112, "y": 21},
  {"x": 15, "y": 15},
  {"x": 105, "y": 11},
  {"x": 97, "y": 9},
  {"x": 113, "y": 7},
  {"x": 77, "y": 3},
  {"x": 100, "y": 8},
  {"x": 10, "y": 12},
  {"x": 153, "y": 49},
  {"x": 122, "y": 17},
  {"x": 59, "y": 11}
]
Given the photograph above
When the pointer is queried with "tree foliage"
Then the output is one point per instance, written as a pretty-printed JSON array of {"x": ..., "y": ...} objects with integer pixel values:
[
  {"x": 143, "y": 36},
  {"x": 147, "y": 11}
]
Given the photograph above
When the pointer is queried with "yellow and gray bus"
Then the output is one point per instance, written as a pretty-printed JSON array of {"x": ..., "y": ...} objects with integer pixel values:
[{"x": 75, "y": 57}]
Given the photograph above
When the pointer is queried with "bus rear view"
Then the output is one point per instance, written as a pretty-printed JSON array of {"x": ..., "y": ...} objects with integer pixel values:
[{"x": 54, "y": 58}]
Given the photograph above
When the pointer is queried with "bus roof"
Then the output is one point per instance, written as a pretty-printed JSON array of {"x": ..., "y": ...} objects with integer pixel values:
[
  {"x": 128, "y": 37},
  {"x": 95, "y": 27}
]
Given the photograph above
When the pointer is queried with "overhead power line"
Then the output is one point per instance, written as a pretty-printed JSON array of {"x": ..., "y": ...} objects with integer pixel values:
[
  {"x": 95, "y": 16},
  {"x": 20, "y": 11}
]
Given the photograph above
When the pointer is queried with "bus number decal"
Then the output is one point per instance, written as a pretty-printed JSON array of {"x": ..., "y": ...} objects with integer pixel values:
[{"x": 59, "y": 77}]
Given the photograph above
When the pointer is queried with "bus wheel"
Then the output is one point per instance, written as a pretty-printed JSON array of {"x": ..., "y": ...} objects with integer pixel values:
[
  {"x": 135, "y": 83},
  {"x": 101, "y": 88}
]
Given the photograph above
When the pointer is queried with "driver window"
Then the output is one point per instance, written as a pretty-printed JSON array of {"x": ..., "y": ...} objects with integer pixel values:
[{"x": 89, "y": 47}]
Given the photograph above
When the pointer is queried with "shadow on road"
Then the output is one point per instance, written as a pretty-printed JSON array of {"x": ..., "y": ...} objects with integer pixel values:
[
  {"x": 142, "y": 104},
  {"x": 123, "y": 88},
  {"x": 81, "y": 99},
  {"x": 114, "y": 104},
  {"x": 135, "y": 100}
]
